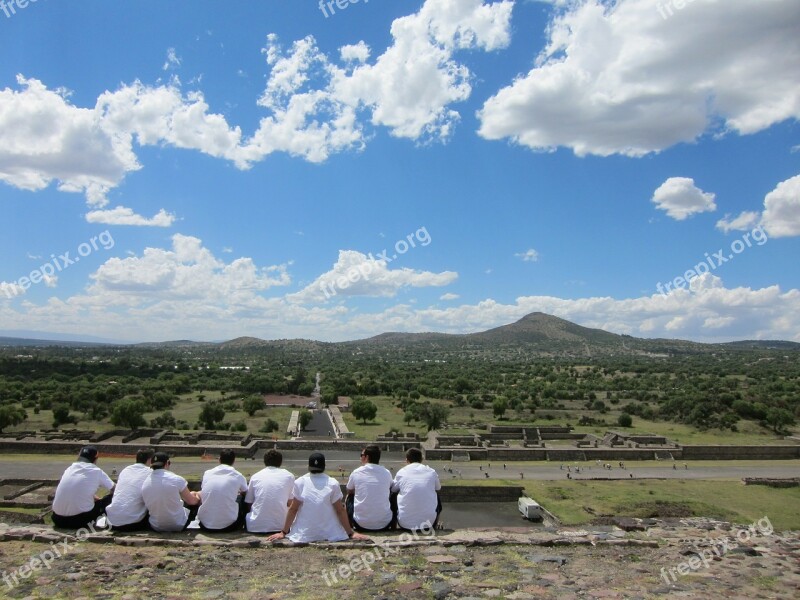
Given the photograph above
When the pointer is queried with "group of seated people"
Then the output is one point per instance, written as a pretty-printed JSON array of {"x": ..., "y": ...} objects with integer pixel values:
[{"x": 149, "y": 496}]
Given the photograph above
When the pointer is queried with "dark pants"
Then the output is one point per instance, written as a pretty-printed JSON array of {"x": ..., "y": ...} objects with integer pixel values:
[
  {"x": 143, "y": 525},
  {"x": 82, "y": 520},
  {"x": 350, "y": 506}
]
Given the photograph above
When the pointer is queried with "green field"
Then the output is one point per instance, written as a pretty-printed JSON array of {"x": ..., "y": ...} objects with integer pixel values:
[{"x": 727, "y": 500}]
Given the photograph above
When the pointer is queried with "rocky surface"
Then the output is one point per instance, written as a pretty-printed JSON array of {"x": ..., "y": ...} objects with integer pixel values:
[{"x": 707, "y": 558}]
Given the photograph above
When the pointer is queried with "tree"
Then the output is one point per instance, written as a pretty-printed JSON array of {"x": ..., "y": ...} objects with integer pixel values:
[
  {"x": 434, "y": 415},
  {"x": 165, "y": 421},
  {"x": 252, "y": 404},
  {"x": 625, "y": 420},
  {"x": 304, "y": 418},
  {"x": 128, "y": 413},
  {"x": 269, "y": 426},
  {"x": 211, "y": 414},
  {"x": 499, "y": 407},
  {"x": 779, "y": 419},
  {"x": 364, "y": 409},
  {"x": 10, "y": 416},
  {"x": 61, "y": 415}
]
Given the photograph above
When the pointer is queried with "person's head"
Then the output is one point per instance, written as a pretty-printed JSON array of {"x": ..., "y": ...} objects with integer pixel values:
[
  {"x": 372, "y": 454},
  {"x": 160, "y": 461},
  {"x": 88, "y": 454},
  {"x": 413, "y": 455},
  {"x": 273, "y": 458},
  {"x": 227, "y": 457},
  {"x": 316, "y": 462},
  {"x": 144, "y": 455}
]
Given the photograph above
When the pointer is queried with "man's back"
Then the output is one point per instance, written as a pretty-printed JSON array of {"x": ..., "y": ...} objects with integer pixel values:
[
  {"x": 127, "y": 506},
  {"x": 161, "y": 492},
  {"x": 316, "y": 519},
  {"x": 77, "y": 486},
  {"x": 269, "y": 492},
  {"x": 416, "y": 485},
  {"x": 220, "y": 489},
  {"x": 372, "y": 485}
]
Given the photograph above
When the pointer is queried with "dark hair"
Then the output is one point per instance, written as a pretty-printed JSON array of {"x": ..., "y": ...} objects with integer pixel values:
[
  {"x": 160, "y": 460},
  {"x": 373, "y": 453},
  {"x": 227, "y": 456},
  {"x": 273, "y": 458},
  {"x": 414, "y": 455},
  {"x": 144, "y": 454}
]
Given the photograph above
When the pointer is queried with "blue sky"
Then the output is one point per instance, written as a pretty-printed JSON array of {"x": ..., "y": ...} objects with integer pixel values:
[{"x": 259, "y": 168}]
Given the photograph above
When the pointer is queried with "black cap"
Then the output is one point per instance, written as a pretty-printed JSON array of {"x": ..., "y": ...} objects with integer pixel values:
[
  {"x": 316, "y": 462},
  {"x": 160, "y": 460},
  {"x": 87, "y": 454}
]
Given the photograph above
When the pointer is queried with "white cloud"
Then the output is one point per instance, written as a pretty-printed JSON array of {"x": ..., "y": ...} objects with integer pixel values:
[
  {"x": 744, "y": 222},
  {"x": 356, "y": 274},
  {"x": 187, "y": 271},
  {"x": 315, "y": 106},
  {"x": 122, "y": 215},
  {"x": 530, "y": 255},
  {"x": 617, "y": 78},
  {"x": 9, "y": 291},
  {"x": 449, "y": 296},
  {"x": 173, "y": 61},
  {"x": 781, "y": 217},
  {"x": 681, "y": 198}
]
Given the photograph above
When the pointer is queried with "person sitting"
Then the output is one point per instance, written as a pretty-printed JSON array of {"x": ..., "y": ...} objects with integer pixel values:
[
  {"x": 316, "y": 512},
  {"x": 222, "y": 494},
  {"x": 368, "y": 490},
  {"x": 268, "y": 496},
  {"x": 164, "y": 494},
  {"x": 127, "y": 511},
  {"x": 417, "y": 487},
  {"x": 75, "y": 505}
]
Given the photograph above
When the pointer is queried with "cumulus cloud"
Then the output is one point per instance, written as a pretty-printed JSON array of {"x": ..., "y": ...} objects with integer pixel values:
[
  {"x": 122, "y": 215},
  {"x": 186, "y": 271},
  {"x": 781, "y": 216},
  {"x": 744, "y": 222},
  {"x": 356, "y": 274},
  {"x": 316, "y": 108},
  {"x": 530, "y": 255},
  {"x": 449, "y": 296},
  {"x": 681, "y": 198},
  {"x": 617, "y": 78}
]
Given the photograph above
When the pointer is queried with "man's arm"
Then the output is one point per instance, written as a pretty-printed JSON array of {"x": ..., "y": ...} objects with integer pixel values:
[
  {"x": 294, "y": 506},
  {"x": 191, "y": 498},
  {"x": 341, "y": 513}
]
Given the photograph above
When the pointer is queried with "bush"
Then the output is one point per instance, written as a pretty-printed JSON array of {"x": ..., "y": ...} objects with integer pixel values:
[{"x": 625, "y": 420}]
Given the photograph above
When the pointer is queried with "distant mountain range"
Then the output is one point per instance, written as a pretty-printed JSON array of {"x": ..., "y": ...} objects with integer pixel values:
[{"x": 534, "y": 333}]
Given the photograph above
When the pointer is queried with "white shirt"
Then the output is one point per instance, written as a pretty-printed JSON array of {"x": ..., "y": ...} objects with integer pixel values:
[
  {"x": 127, "y": 506},
  {"x": 77, "y": 487},
  {"x": 161, "y": 492},
  {"x": 316, "y": 520},
  {"x": 220, "y": 488},
  {"x": 372, "y": 485},
  {"x": 417, "y": 485},
  {"x": 269, "y": 492}
]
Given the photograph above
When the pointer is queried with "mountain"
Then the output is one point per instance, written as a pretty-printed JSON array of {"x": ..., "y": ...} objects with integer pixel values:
[{"x": 537, "y": 334}]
